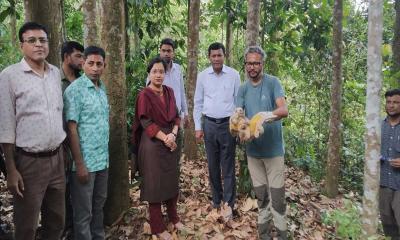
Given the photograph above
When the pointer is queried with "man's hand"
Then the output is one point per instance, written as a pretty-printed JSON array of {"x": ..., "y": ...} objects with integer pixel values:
[
  {"x": 199, "y": 136},
  {"x": 395, "y": 162},
  {"x": 15, "y": 183},
  {"x": 82, "y": 174},
  {"x": 186, "y": 121},
  {"x": 269, "y": 116}
]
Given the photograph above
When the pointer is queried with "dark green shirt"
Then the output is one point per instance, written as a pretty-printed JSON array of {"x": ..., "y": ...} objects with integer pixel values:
[{"x": 64, "y": 81}]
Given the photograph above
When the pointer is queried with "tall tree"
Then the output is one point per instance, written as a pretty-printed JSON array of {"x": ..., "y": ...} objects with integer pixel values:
[
  {"x": 48, "y": 13},
  {"x": 253, "y": 22},
  {"x": 273, "y": 13},
  {"x": 127, "y": 41},
  {"x": 63, "y": 27},
  {"x": 13, "y": 22},
  {"x": 190, "y": 148},
  {"x": 396, "y": 43},
  {"x": 334, "y": 142},
  {"x": 373, "y": 124},
  {"x": 113, "y": 32},
  {"x": 229, "y": 32},
  {"x": 90, "y": 29}
]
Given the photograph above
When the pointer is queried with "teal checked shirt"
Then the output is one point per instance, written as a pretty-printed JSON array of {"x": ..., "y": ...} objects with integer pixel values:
[{"x": 88, "y": 107}]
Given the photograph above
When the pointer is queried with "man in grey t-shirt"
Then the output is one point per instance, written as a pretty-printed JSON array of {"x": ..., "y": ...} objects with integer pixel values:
[{"x": 264, "y": 93}]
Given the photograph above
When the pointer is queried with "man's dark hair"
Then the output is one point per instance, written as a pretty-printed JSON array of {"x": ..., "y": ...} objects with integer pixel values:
[
  {"x": 68, "y": 48},
  {"x": 30, "y": 26},
  {"x": 392, "y": 92},
  {"x": 154, "y": 61},
  {"x": 216, "y": 46},
  {"x": 168, "y": 41},
  {"x": 94, "y": 50}
]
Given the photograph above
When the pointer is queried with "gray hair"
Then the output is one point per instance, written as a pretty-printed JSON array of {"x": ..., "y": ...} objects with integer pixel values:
[{"x": 255, "y": 49}]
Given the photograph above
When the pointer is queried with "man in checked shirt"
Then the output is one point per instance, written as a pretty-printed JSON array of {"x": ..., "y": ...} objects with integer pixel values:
[{"x": 389, "y": 193}]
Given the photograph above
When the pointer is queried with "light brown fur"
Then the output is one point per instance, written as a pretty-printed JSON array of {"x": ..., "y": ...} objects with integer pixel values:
[{"x": 246, "y": 130}]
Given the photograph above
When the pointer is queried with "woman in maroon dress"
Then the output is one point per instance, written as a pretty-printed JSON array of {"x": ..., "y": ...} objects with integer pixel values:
[{"x": 154, "y": 136}]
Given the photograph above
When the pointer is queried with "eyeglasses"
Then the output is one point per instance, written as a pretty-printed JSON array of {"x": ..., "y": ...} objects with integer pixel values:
[
  {"x": 253, "y": 64},
  {"x": 32, "y": 41}
]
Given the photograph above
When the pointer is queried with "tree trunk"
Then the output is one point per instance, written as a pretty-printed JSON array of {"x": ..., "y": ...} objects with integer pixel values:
[
  {"x": 229, "y": 33},
  {"x": 373, "y": 124},
  {"x": 396, "y": 43},
  {"x": 272, "y": 61},
  {"x": 263, "y": 17},
  {"x": 13, "y": 25},
  {"x": 127, "y": 40},
  {"x": 335, "y": 131},
  {"x": 48, "y": 13},
  {"x": 136, "y": 28},
  {"x": 190, "y": 148},
  {"x": 63, "y": 27},
  {"x": 90, "y": 29},
  {"x": 253, "y": 22},
  {"x": 113, "y": 38}
]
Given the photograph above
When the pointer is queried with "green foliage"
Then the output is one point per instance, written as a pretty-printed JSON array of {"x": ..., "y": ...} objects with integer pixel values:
[
  {"x": 244, "y": 182},
  {"x": 347, "y": 221},
  {"x": 148, "y": 23},
  {"x": 9, "y": 53},
  {"x": 73, "y": 20}
]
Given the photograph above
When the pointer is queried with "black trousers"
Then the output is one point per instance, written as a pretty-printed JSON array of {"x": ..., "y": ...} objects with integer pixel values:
[{"x": 220, "y": 149}]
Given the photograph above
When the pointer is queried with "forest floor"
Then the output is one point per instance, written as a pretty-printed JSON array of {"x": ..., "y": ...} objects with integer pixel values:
[{"x": 307, "y": 211}]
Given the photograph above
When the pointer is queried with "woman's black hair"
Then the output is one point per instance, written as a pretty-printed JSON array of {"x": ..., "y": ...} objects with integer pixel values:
[{"x": 154, "y": 61}]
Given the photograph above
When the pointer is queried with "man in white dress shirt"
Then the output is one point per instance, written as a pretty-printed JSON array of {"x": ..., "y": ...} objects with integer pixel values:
[
  {"x": 214, "y": 102},
  {"x": 174, "y": 77}
]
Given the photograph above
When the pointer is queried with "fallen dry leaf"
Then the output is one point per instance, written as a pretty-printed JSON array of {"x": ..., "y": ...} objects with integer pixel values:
[
  {"x": 146, "y": 228},
  {"x": 304, "y": 198}
]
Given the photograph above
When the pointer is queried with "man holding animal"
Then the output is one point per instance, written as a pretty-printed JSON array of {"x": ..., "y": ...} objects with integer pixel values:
[
  {"x": 263, "y": 100},
  {"x": 214, "y": 98}
]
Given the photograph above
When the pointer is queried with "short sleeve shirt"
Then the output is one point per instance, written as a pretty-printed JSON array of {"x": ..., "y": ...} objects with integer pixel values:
[
  {"x": 261, "y": 98},
  {"x": 31, "y": 107},
  {"x": 88, "y": 107}
]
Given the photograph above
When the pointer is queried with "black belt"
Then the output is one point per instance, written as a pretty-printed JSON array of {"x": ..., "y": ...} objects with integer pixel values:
[
  {"x": 217, "y": 120},
  {"x": 38, "y": 154}
]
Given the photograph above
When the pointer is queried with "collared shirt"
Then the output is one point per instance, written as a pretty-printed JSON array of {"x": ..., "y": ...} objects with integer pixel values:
[
  {"x": 31, "y": 107},
  {"x": 390, "y": 149},
  {"x": 64, "y": 81},
  {"x": 174, "y": 79},
  {"x": 215, "y": 94},
  {"x": 88, "y": 107},
  {"x": 262, "y": 98}
]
